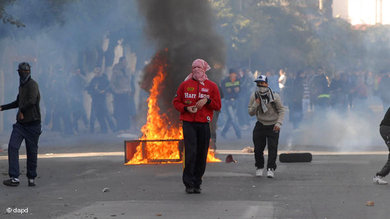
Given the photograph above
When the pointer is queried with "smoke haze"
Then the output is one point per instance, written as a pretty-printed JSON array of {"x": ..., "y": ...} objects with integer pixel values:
[
  {"x": 171, "y": 32},
  {"x": 181, "y": 31}
]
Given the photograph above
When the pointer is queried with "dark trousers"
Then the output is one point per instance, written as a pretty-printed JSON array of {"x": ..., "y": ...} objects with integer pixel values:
[
  {"x": 385, "y": 133},
  {"x": 99, "y": 111},
  {"x": 30, "y": 134},
  {"x": 264, "y": 135},
  {"x": 196, "y": 144},
  {"x": 77, "y": 114},
  {"x": 122, "y": 111},
  {"x": 62, "y": 120}
]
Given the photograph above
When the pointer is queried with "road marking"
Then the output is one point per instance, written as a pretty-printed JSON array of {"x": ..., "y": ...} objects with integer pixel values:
[
  {"x": 70, "y": 155},
  {"x": 239, "y": 152}
]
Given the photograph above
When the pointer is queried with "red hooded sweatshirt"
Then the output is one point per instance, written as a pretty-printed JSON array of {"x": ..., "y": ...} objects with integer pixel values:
[{"x": 189, "y": 92}]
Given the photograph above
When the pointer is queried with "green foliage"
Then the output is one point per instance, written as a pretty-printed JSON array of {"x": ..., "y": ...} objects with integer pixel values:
[
  {"x": 264, "y": 34},
  {"x": 272, "y": 34}
]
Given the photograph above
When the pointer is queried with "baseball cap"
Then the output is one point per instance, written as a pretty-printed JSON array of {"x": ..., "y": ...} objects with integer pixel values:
[{"x": 262, "y": 78}]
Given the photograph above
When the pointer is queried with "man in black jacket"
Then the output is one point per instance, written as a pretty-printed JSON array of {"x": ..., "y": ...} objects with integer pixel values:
[
  {"x": 385, "y": 133},
  {"x": 27, "y": 127},
  {"x": 98, "y": 88}
]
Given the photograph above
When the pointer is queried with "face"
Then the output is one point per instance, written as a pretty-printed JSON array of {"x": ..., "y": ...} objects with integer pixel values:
[
  {"x": 197, "y": 69},
  {"x": 262, "y": 84},
  {"x": 23, "y": 74},
  {"x": 233, "y": 76}
]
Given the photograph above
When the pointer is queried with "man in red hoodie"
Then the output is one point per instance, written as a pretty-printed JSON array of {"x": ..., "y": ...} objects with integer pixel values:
[{"x": 196, "y": 99}]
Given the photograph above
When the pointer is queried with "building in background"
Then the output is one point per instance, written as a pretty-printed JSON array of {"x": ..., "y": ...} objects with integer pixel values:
[{"x": 366, "y": 12}]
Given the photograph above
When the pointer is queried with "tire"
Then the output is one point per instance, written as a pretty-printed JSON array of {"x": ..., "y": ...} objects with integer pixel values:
[{"x": 295, "y": 157}]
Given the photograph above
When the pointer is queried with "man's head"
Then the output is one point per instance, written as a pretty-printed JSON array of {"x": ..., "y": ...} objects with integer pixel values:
[
  {"x": 262, "y": 85},
  {"x": 24, "y": 67},
  {"x": 199, "y": 68},
  {"x": 262, "y": 81},
  {"x": 24, "y": 70},
  {"x": 232, "y": 74}
]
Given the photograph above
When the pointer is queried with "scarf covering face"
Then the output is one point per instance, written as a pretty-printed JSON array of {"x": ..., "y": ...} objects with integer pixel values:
[
  {"x": 199, "y": 74},
  {"x": 23, "y": 77},
  {"x": 265, "y": 97}
]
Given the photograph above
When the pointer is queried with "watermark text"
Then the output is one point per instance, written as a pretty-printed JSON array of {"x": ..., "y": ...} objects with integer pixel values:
[{"x": 10, "y": 210}]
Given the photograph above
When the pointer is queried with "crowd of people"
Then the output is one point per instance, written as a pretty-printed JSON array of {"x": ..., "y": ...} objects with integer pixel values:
[
  {"x": 265, "y": 101},
  {"x": 98, "y": 101},
  {"x": 88, "y": 103},
  {"x": 302, "y": 92}
]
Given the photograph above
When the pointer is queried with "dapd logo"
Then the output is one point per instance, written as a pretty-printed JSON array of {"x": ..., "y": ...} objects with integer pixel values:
[{"x": 16, "y": 210}]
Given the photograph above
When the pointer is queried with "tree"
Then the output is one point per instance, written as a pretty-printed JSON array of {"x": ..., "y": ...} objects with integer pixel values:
[{"x": 263, "y": 33}]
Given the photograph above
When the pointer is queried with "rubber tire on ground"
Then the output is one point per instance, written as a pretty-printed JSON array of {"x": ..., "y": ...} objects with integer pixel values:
[{"x": 295, "y": 157}]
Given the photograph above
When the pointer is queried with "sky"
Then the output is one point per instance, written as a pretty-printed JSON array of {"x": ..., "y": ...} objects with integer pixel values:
[{"x": 364, "y": 11}]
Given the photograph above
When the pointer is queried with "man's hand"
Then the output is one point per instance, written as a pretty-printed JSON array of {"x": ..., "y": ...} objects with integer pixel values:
[
  {"x": 21, "y": 116},
  {"x": 201, "y": 103},
  {"x": 276, "y": 128},
  {"x": 192, "y": 109},
  {"x": 257, "y": 97}
]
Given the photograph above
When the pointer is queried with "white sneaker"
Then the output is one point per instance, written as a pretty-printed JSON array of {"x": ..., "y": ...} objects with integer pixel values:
[
  {"x": 379, "y": 180},
  {"x": 259, "y": 172},
  {"x": 270, "y": 173}
]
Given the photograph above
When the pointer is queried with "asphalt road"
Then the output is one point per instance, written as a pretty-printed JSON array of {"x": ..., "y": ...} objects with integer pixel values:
[
  {"x": 336, "y": 186},
  {"x": 101, "y": 186}
]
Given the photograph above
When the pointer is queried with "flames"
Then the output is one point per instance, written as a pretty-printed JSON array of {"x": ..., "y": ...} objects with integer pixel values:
[{"x": 159, "y": 127}]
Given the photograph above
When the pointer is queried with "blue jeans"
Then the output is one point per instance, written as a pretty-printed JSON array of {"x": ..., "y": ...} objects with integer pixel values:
[
  {"x": 231, "y": 119},
  {"x": 29, "y": 133}
]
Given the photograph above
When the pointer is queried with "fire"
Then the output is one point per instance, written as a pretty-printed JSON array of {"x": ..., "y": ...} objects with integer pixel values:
[{"x": 159, "y": 127}]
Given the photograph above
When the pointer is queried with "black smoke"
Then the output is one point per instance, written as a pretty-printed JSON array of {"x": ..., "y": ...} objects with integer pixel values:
[{"x": 181, "y": 32}]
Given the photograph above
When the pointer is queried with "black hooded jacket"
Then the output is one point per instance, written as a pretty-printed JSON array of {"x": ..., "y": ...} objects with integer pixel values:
[
  {"x": 28, "y": 103},
  {"x": 386, "y": 119}
]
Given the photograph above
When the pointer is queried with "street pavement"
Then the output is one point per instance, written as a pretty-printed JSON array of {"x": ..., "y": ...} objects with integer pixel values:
[
  {"x": 85, "y": 177},
  {"x": 337, "y": 186}
]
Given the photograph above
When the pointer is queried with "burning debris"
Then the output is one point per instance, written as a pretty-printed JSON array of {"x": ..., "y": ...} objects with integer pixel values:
[
  {"x": 181, "y": 31},
  {"x": 161, "y": 141}
]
